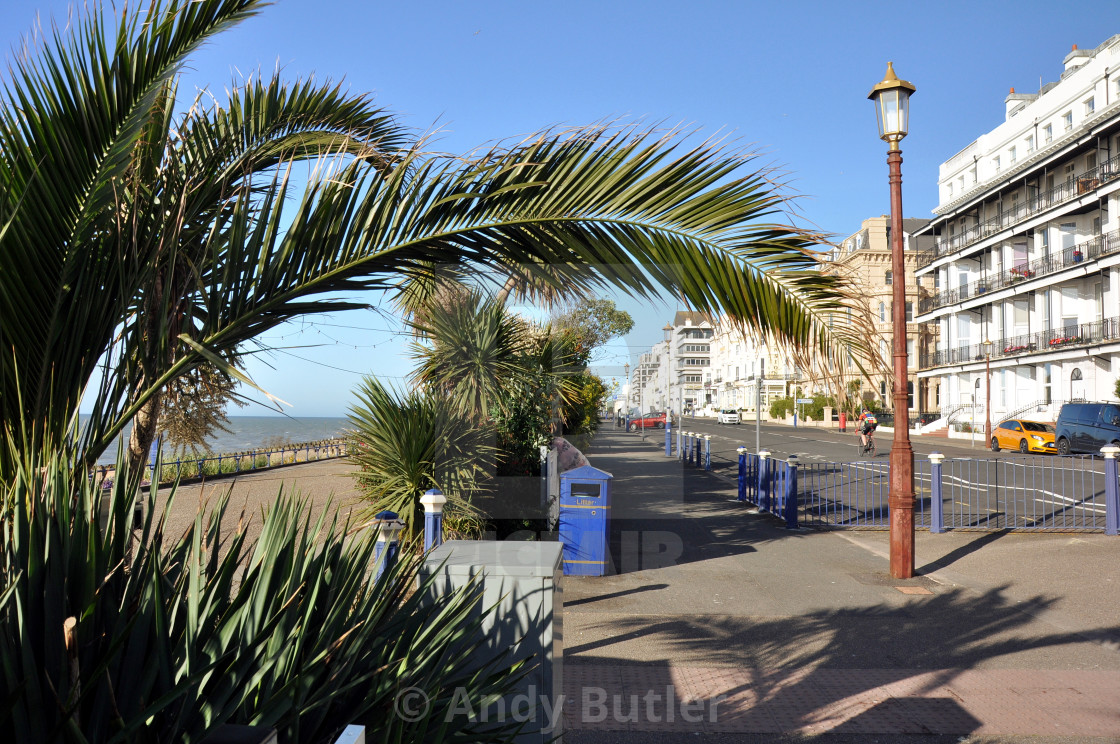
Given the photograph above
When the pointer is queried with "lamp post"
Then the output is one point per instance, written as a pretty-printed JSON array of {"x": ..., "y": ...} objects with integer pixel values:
[
  {"x": 892, "y": 109},
  {"x": 988, "y": 393}
]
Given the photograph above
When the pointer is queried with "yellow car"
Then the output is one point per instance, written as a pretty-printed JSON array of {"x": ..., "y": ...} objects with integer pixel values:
[{"x": 1025, "y": 436}]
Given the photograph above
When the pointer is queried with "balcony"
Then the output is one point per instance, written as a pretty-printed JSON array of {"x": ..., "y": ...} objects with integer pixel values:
[
  {"x": 1079, "y": 185},
  {"x": 1102, "y": 245},
  {"x": 1066, "y": 337}
]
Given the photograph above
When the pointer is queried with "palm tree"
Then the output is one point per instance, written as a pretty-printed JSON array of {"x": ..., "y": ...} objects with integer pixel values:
[{"x": 146, "y": 254}]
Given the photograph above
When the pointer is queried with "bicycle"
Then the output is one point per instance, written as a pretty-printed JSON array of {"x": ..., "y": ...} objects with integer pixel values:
[{"x": 869, "y": 449}]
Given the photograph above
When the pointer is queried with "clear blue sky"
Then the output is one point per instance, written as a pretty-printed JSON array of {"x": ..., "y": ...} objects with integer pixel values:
[{"x": 788, "y": 78}]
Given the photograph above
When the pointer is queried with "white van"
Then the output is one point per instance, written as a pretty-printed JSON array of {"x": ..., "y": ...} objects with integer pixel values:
[{"x": 728, "y": 416}]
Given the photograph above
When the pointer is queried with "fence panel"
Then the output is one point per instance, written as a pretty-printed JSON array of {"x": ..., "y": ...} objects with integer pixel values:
[{"x": 1028, "y": 493}]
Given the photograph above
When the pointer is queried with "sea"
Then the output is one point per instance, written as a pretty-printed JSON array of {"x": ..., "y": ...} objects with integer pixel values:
[{"x": 260, "y": 432}]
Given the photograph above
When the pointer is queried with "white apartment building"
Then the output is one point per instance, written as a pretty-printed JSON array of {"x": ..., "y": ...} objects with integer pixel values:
[
  {"x": 1027, "y": 252},
  {"x": 741, "y": 366},
  {"x": 702, "y": 365}
]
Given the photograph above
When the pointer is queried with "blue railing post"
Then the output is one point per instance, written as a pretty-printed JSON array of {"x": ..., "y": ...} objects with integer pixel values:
[
  {"x": 689, "y": 443},
  {"x": 680, "y": 440},
  {"x": 668, "y": 437},
  {"x": 707, "y": 451},
  {"x": 387, "y": 547},
  {"x": 742, "y": 473},
  {"x": 1111, "y": 490},
  {"x": 791, "y": 493},
  {"x": 763, "y": 480},
  {"x": 433, "y": 502},
  {"x": 936, "y": 506}
]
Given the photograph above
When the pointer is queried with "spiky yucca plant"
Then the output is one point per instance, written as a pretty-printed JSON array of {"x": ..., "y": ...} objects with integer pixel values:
[{"x": 169, "y": 639}]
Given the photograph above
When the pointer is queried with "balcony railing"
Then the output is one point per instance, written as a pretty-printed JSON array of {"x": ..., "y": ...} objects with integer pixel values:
[
  {"x": 1076, "y": 186},
  {"x": 1067, "y": 337},
  {"x": 1101, "y": 245}
]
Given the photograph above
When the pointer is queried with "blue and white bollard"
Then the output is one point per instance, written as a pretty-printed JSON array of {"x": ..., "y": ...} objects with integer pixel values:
[
  {"x": 680, "y": 444},
  {"x": 697, "y": 449},
  {"x": 688, "y": 447},
  {"x": 707, "y": 451},
  {"x": 388, "y": 544},
  {"x": 1111, "y": 490},
  {"x": 433, "y": 502},
  {"x": 763, "y": 480},
  {"x": 668, "y": 437},
  {"x": 742, "y": 473},
  {"x": 936, "y": 507},
  {"x": 791, "y": 493}
]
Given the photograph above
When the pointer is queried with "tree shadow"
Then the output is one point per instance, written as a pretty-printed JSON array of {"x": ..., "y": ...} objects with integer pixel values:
[{"x": 874, "y": 670}]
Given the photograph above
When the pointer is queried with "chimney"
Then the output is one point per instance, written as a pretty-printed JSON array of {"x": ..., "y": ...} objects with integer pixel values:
[
  {"x": 1077, "y": 57},
  {"x": 1016, "y": 102}
]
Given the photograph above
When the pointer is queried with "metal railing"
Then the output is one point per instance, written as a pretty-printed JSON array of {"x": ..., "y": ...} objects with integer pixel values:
[
  {"x": 236, "y": 462},
  {"x": 1020, "y": 493},
  {"x": 1092, "y": 249},
  {"x": 1066, "y": 337},
  {"x": 1078, "y": 185}
]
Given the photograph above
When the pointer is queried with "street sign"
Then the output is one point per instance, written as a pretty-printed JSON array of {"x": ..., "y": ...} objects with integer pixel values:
[{"x": 804, "y": 400}]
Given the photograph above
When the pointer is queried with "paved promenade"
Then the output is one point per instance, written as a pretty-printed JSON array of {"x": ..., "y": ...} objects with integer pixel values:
[{"x": 720, "y": 625}]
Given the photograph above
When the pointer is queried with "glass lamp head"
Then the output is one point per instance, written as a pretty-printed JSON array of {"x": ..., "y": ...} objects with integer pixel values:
[{"x": 892, "y": 106}]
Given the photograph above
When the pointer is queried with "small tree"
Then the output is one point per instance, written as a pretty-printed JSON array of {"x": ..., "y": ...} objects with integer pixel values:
[{"x": 194, "y": 408}]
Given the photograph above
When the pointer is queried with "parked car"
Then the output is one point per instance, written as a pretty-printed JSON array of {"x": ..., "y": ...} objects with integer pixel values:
[
  {"x": 649, "y": 421},
  {"x": 728, "y": 416},
  {"x": 1025, "y": 436},
  {"x": 1086, "y": 427}
]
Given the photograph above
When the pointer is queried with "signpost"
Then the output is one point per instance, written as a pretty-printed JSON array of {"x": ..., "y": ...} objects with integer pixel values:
[{"x": 800, "y": 402}]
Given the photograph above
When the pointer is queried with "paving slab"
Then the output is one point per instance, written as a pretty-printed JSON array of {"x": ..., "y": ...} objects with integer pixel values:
[{"x": 746, "y": 631}]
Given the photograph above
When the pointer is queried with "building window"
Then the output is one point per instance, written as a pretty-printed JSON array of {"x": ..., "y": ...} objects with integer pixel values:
[
  {"x": 911, "y": 360},
  {"x": 995, "y": 164},
  {"x": 1048, "y": 134},
  {"x": 909, "y": 312},
  {"x": 910, "y": 395},
  {"x": 882, "y": 312},
  {"x": 1012, "y": 155},
  {"x": 1067, "y": 121},
  {"x": 1030, "y": 143},
  {"x": 890, "y": 278},
  {"x": 1090, "y": 105}
]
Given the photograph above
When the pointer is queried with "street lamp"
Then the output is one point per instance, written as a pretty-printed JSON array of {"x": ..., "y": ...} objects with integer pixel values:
[
  {"x": 892, "y": 109},
  {"x": 988, "y": 393}
]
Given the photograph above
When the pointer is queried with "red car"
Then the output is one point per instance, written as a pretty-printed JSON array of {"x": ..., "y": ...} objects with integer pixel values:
[{"x": 649, "y": 421}]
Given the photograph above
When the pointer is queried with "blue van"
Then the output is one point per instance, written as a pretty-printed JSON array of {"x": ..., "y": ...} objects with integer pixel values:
[{"x": 1086, "y": 427}]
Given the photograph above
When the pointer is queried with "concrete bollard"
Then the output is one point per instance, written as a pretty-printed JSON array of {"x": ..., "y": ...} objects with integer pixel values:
[
  {"x": 680, "y": 441},
  {"x": 763, "y": 480},
  {"x": 707, "y": 451},
  {"x": 936, "y": 506},
  {"x": 1111, "y": 489},
  {"x": 742, "y": 473},
  {"x": 388, "y": 546},
  {"x": 433, "y": 502},
  {"x": 791, "y": 493}
]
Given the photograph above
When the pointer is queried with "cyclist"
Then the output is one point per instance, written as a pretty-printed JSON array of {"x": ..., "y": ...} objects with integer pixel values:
[{"x": 867, "y": 424}]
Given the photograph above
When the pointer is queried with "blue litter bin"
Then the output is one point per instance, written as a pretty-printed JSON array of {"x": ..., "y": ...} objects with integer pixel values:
[{"x": 585, "y": 508}]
